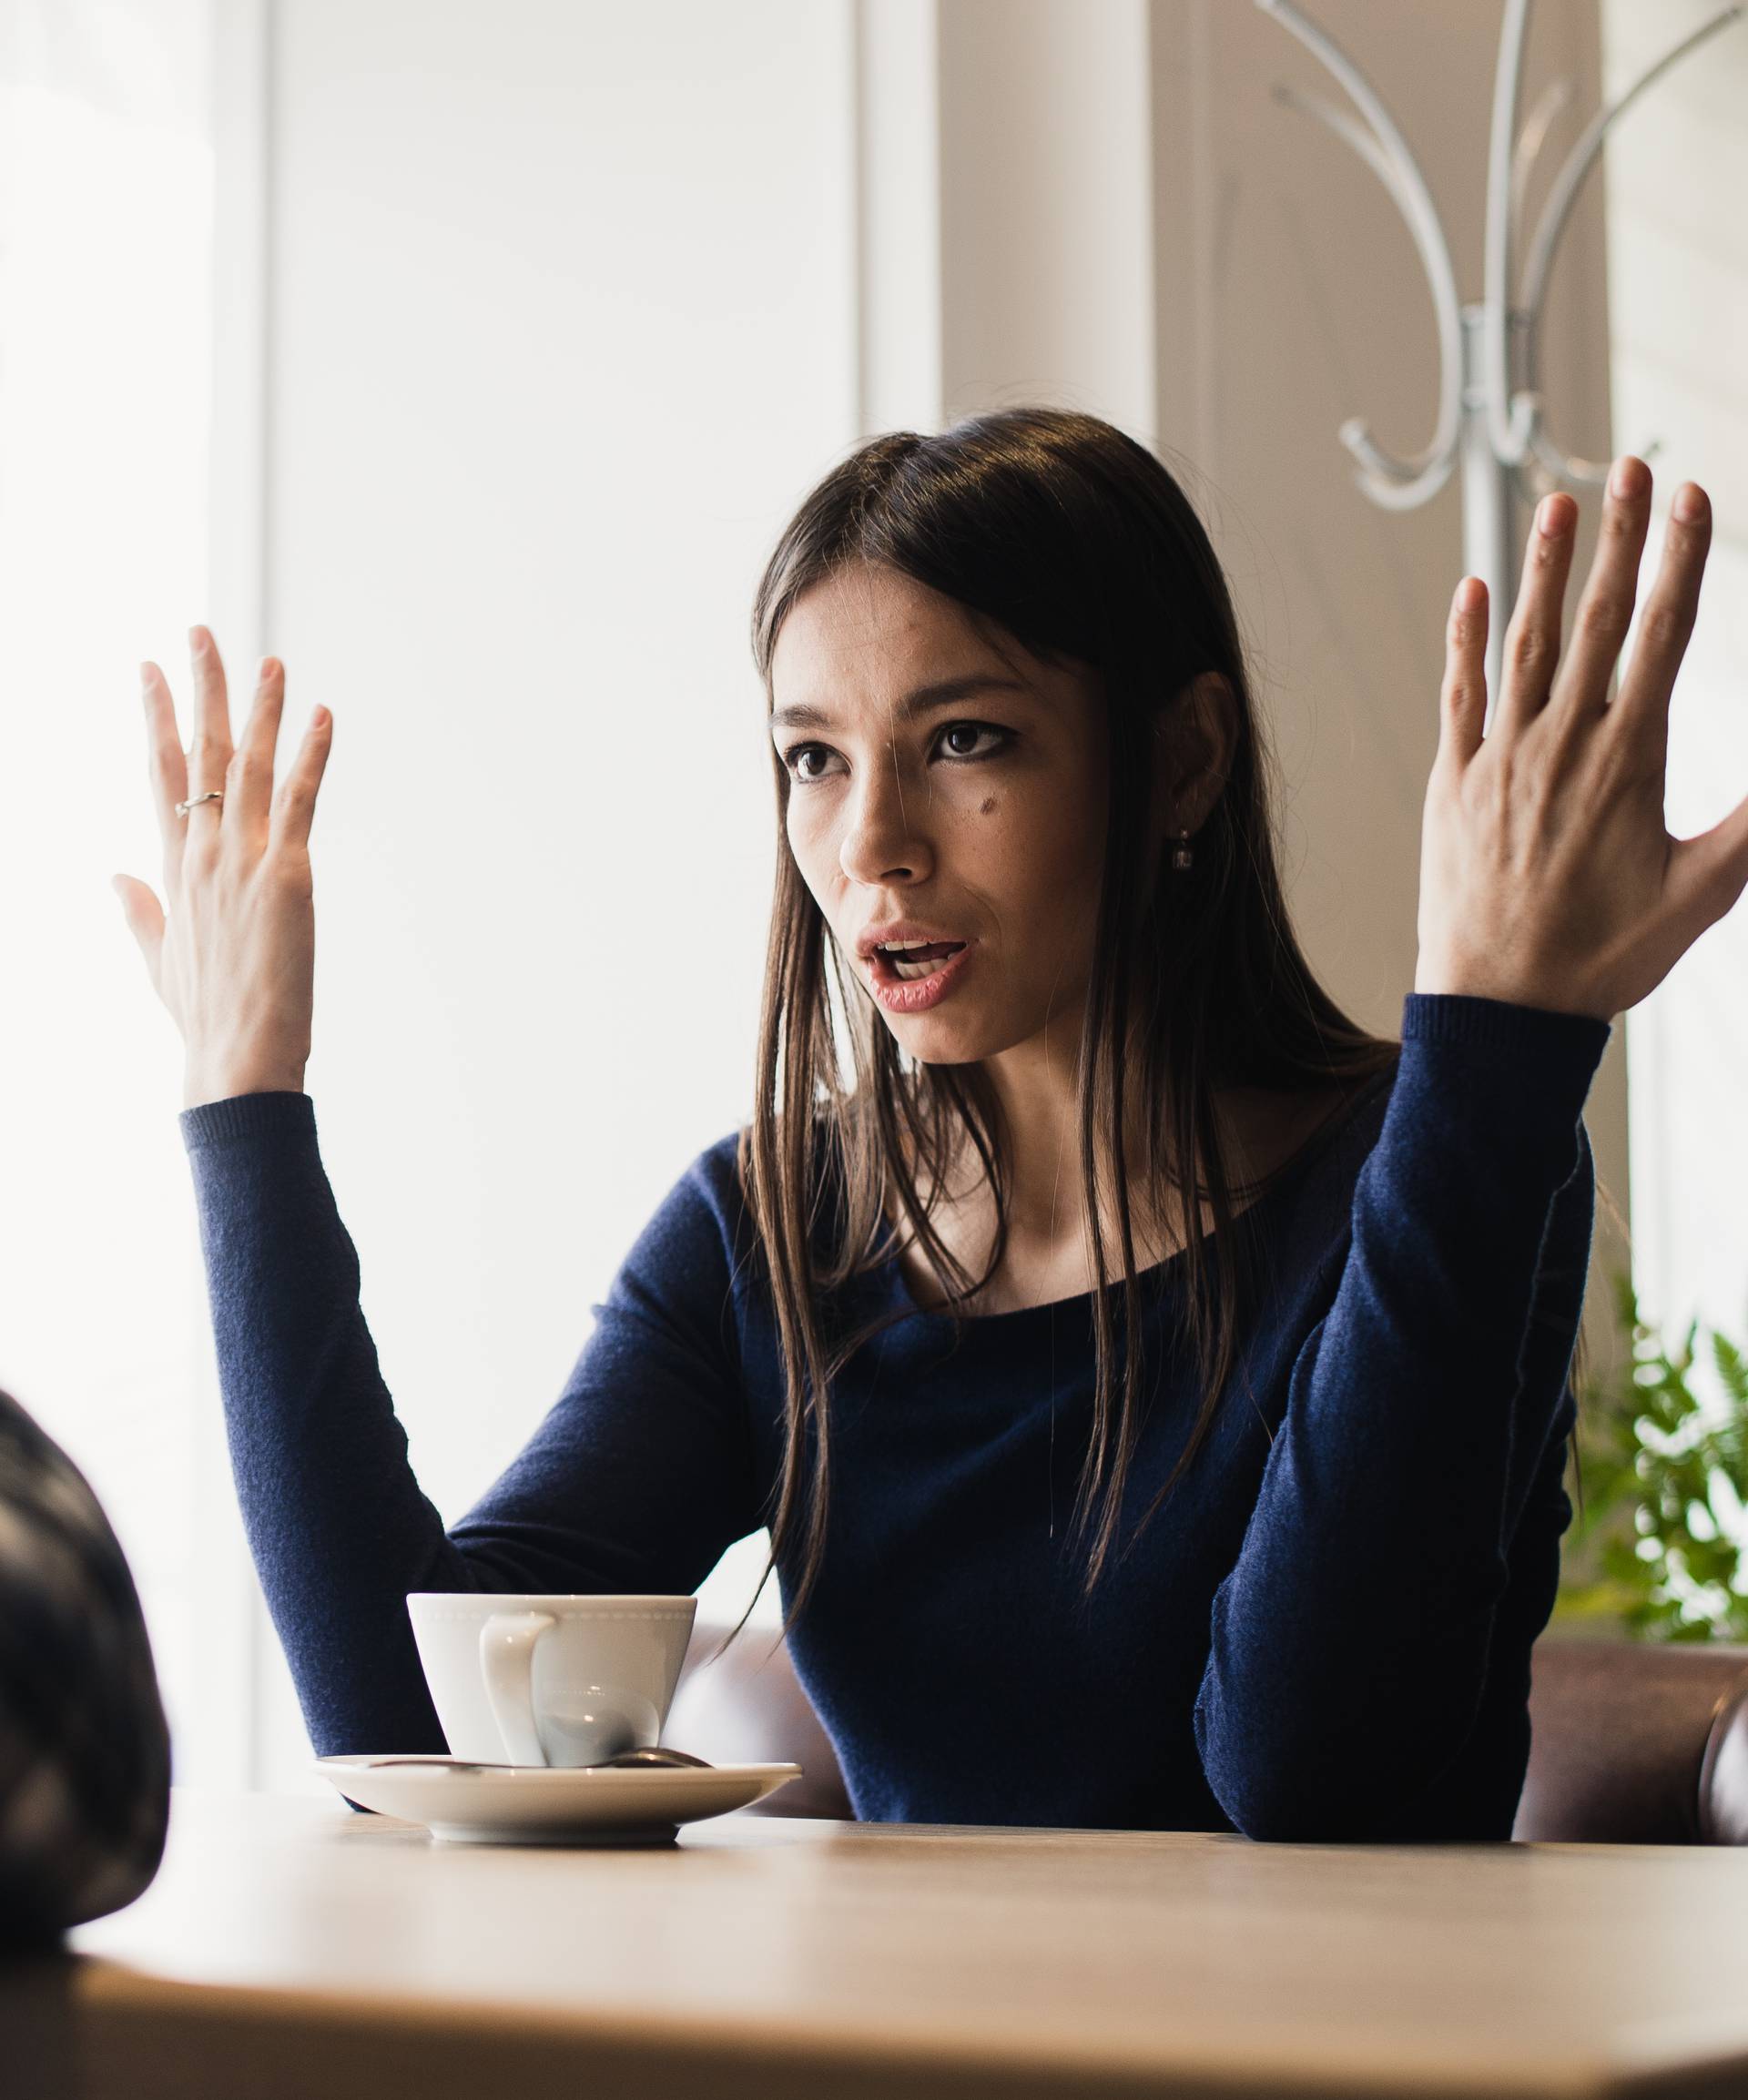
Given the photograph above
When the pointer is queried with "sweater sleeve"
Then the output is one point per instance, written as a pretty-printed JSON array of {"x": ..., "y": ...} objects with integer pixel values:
[
  {"x": 84, "y": 1755},
  {"x": 1351, "y": 1640},
  {"x": 638, "y": 1478}
]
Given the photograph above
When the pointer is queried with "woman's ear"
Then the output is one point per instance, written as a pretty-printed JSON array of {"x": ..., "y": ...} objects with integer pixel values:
[{"x": 1194, "y": 738}]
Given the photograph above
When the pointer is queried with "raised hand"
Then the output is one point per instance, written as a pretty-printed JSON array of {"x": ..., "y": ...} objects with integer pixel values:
[
  {"x": 1546, "y": 877},
  {"x": 234, "y": 960}
]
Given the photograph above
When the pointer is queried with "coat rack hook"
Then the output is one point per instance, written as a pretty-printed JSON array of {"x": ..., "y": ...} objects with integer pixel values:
[{"x": 1496, "y": 429}]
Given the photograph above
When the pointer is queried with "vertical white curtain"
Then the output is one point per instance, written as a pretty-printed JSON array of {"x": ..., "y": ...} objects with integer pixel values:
[{"x": 106, "y": 212}]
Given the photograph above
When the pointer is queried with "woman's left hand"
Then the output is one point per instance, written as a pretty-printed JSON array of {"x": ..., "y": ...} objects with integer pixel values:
[{"x": 1547, "y": 878}]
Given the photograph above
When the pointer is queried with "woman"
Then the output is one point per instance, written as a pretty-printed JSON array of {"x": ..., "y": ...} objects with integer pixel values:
[{"x": 1317, "y": 1428}]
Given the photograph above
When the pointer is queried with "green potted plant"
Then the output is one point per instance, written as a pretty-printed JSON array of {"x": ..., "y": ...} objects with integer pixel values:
[{"x": 1659, "y": 1542}]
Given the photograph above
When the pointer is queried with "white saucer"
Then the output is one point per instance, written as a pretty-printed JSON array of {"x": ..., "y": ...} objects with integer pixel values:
[{"x": 543, "y": 1805}]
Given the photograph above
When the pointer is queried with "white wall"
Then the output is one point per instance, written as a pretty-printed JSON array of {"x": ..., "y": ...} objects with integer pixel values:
[
  {"x": 107, "y": 182},
  {"x": 561, "y": 333},
  {"x": 1678, "y": 261}
]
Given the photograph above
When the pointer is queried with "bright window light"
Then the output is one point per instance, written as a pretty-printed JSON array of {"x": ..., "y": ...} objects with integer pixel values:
[{"x": 106, "y": 229}]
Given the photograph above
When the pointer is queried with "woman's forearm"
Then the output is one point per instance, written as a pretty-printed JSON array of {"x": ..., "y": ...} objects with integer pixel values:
[
  {"x": 637, "y": 1478},
  {"x": 1350, "y": 1641},
  {"x": 338, "y": 1526}
]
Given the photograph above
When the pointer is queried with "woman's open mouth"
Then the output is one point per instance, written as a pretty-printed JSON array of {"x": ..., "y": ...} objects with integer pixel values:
[{"x": 910, "y": 980}]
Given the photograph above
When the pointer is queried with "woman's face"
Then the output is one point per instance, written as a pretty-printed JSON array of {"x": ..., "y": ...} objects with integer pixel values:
[{"x": 943, "y": 782}]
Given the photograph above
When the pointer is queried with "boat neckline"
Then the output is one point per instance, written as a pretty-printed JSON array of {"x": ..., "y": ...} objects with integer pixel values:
[{"x": 1284, "y": 1177}]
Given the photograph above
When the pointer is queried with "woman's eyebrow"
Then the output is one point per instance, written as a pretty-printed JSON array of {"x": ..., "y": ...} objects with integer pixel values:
[{"x": 944, "y": 692}]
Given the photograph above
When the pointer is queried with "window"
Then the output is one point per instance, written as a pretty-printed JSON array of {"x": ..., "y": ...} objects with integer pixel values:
[
  {"x": 1678, "y": 293},
  {"x": 106, "y": 323}
]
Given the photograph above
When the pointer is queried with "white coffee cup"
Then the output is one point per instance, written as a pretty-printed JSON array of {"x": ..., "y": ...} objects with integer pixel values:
[{"x": 550, "y": 1680}]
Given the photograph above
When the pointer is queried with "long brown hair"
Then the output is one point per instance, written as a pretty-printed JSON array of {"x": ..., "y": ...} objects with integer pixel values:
[{"x": 1077, "y": 542}]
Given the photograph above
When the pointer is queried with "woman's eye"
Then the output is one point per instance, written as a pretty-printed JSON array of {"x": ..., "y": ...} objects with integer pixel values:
[
  {"x": 796, "y": 753},
  {"x": 793, "y": 757},
  {"x": 973, "y": 730}
]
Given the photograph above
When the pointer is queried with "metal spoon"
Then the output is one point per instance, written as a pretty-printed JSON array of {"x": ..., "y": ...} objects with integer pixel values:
[{"x": 655, "y": 1754}]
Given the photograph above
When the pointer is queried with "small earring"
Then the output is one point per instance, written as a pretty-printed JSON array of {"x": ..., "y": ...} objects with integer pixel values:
[{"x": 1182, "y": 852}]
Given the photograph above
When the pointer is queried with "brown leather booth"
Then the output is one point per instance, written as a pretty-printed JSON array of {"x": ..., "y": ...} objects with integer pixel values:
[
  {"x": 1637, "y": 1742},
  {"x": 1631, "y": 1742}
]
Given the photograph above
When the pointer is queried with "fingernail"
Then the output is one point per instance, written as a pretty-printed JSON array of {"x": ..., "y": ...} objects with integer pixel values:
[
  {"x": 1625, "y": 477},
  {"x": 1689, "y": 502},
  {"x": 145, "y": 677},
  {"x": 197, "y": 640},
  {"x": 1550, "y": 516}
]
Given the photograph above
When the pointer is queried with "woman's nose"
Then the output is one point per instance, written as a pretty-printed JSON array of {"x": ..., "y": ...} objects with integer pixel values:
[{"x": 885, "y": 832}]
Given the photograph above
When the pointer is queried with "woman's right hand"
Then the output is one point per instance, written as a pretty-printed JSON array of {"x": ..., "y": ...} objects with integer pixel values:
[{"x": 231, "y": 951}]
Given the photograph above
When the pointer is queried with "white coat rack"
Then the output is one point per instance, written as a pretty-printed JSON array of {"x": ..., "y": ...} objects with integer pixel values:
[{"x": 1491, "y": 414}]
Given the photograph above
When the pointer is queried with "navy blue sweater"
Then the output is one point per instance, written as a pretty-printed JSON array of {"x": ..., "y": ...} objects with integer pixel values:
[{"x": 1325, "y": 1633}]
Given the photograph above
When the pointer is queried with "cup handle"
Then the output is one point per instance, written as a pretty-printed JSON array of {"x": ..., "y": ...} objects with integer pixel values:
[{"x": 507, "y": 1662}]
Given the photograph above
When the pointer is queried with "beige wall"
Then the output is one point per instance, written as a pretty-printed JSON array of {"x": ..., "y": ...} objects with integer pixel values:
[{"x": 1290, "y": 296}]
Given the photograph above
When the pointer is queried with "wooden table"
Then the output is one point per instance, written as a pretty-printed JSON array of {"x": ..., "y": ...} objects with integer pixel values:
[{"x": 291, "y": 1947}]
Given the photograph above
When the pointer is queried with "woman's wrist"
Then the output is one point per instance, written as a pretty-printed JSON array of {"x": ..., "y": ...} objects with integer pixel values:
[
  {"x": 202, "y": 1087},
  {"x": 1476, "y": 981}
]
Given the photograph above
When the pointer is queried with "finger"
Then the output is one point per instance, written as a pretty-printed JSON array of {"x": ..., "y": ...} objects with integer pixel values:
[
  {"x": 248, "y": 779},
  {"x": 1605, "y": 610},
  {"x": 209, "y": 754},
  {"x": 144, "y": 918},
  {"x": 1531, "y": 647},
  {"x": 1641, "y": 707},
  {"x": 167, "y": 767},
  {"x": 1462, "y": 700},
  {"x": 294, "y": 807}
]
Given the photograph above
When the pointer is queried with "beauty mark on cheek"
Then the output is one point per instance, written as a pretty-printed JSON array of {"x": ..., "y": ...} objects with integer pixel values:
[{"x": 988, "y": 809}]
